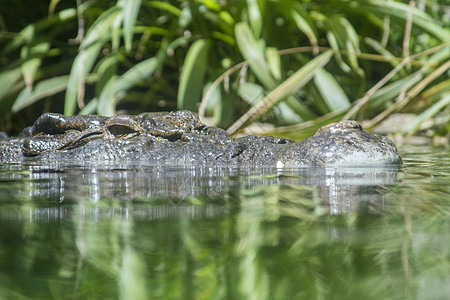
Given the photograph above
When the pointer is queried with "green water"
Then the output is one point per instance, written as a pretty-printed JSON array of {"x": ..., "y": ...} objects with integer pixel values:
[{"x": 147, "y": 232}]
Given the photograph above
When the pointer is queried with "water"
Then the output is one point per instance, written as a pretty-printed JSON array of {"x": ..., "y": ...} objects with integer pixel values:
[{"x": 71, "y": 231}]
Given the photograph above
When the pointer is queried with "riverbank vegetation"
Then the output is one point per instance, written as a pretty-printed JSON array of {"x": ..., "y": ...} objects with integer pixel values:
[{"x": 293, "y": 64}]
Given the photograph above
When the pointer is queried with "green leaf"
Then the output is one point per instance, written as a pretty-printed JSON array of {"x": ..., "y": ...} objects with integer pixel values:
[
  {"x": 90, "y": 49},
  {"x": 351, "y": 44},
  {"x": 254, "y": 16},
  {"x": 383, "y": 98},
  {"x": 331, "y": 91},
  {"x": 401, "y": 11},
  {"x": 299, "y": 108},
  {"x": 101, "y": 29},
  {"x": 116, "y": 87},
  {"x": 52, "y": 6},
  {"x": 25, "y": 36},
  {"x": 286, "y": 88},
  {"x": 253, "y": 53},
  {"x": 227, "y": 19},
  {"x": 375, "y": 45},
  {"x": 164, "y": 6},
  {"x": 253, "y": 93},
  {"x": 303, "y": 25},
  {"x": 212, "y": 5},
  {"x": 32, "y": 57},
  {"x": 41, "y": 29},
  {"x": 224, "y": 110},
  {"x": 192, "y": 75},
  {"x": 137, "y": 74},
  {"x": 343, "y": 36},
  {"x": 334, "y": 45},
  {"x": 130, "y": 13},
  {"x": 224, "y": 37},
  {"x": 81, "y": 66},
  {"x": 104, "y": 70},
  {"x": 428, "y": 113},
  {"x": 106, "y": 105},
  {"x": 301, "y": 18},
  {"x": 90, "y": 108},
  {"x": 7, "y": 80},
  {"x": 274, "y": 62},
  {"x": 43, "y": 89}
]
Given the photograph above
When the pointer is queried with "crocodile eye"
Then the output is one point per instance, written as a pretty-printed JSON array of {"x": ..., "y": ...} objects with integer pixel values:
[
  {"x": 119, "y": 130},
  {"x": 122, "y": 126}
]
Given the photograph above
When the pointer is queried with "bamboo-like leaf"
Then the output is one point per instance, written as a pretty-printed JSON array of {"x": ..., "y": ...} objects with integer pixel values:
[
  {"x": 192, "y": 75},
  {"x": 392, "y": 90},
  {"x": 253, "y": 93},
  {"x": 90, "y": 108},
  {"x": 350, "y": 32},
  {"x": 383, "y": 51},
  {"x": 334, "y": 45},
  {"x": 32, "y": 31},
  {"x": 24, "y": 36},
  {"x": 32, "y": 57},
  {"x": 306, "y": 129},
  {"x": 352, "y": 44},
  {"x": 224, "y": 37},
  {"x": 104, "y": 70},
  {"x": 106, "y": 105},
  {"x": 295, "y": 11},
  {"x": 115, "y": 87},
  {"x": 254, "y": 16},
  {"x": 299, "y": 108},
  {"x": 224, "y": 110},
  {"x": 274, "y": 62},
  {"x": 304, "y": 26},
  {"x": 315, "y": 99},
  {"x": 81, "y": 65},
  {"x": 436, "y": 91},
  {"x": 428, "y": 113},
  {"x": 43, "y": 89},
  {"x": 52, "y": 6},
  {"x": 410, "y": 94},
  {"x": 253, "y": 53},
  {"x": 331, "y": 91},
  {"x": 289, "y": 86},
  {"x": 213, "y": 99},
  {"x": 227, "y": 19},
  {"x": 400, "y": 10},
  {"x": 164, "y": 6},
  {"x": 100, "y": 30},
  {"x": 343, "y": 36},
  {"x": 8, "y": 79},
  {"x": 138, "y": 73},
  {"x": 130, "y": 13},
  {"x": 116, "y": 32},
  {"x": 212, "y": 5},
  {"x": 90, "y": 48},
  {"x": 185, "y": 17}
]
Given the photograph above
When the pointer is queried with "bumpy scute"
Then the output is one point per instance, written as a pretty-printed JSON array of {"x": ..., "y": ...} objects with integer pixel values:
[{"x": 180, "y": 138}]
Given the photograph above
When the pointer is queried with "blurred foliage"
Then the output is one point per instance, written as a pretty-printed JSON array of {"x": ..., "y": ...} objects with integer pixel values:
[{"x": 237, "y": 61}]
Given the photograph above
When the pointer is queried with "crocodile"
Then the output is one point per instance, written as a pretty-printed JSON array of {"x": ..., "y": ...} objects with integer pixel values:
[{"x": 179, "y": 138}]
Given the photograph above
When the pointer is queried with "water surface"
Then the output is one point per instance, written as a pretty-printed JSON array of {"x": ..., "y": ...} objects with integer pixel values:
[{"x": 81, "y": 231}]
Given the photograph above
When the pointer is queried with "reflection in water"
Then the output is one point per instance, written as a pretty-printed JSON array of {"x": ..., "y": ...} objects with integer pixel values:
[
  {"x": 154, "y": 232},
  {"x": 342, "y": 190}
]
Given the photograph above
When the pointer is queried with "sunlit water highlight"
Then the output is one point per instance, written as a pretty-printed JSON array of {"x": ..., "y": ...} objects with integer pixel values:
[{"x": 74, "y": 231}]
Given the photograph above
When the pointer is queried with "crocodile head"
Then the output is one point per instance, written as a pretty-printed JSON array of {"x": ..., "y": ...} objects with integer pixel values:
[{"x": 346, "y": 143}]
